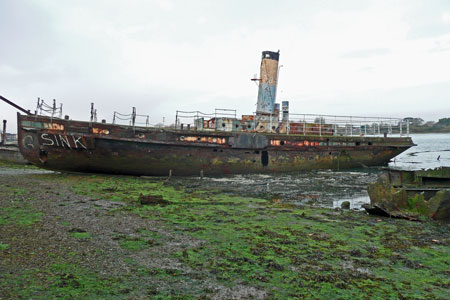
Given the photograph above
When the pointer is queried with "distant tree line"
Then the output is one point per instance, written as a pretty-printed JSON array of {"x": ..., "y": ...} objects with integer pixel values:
[{"x": 418, "y": 125}]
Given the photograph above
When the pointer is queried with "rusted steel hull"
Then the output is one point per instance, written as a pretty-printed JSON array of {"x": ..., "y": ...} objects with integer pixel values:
[
  {"x": 94, "y": 147},
  {"x": 410, "y": 194}
]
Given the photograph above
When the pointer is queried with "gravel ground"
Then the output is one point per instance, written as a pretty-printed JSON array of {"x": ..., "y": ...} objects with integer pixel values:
[
  {"x": 64, "y": 213},
  {"x": 74, "y": 236}
]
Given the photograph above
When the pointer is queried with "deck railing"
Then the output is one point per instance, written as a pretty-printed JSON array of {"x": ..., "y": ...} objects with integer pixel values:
[
  {"x": 45, "y": 109},
  {"x": 349, "y": 125},
  {"x": 299, "y": 124},
  {"x": 303, "y": 124}
]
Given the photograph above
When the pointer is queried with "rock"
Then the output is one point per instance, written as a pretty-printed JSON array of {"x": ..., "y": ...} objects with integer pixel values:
[
  {"x": 152, "y": 200},
  {"x": 345, "y": 205},
  {"x": 440, "y": 205}
]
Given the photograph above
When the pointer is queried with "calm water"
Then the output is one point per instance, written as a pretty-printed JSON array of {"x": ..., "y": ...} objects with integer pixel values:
[
  {"x": 331, "y": 188},
  {"x": 432, "y": 151}
]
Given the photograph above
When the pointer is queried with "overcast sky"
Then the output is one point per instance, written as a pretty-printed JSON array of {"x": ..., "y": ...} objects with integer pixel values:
[{"x": 346, "y": 57}]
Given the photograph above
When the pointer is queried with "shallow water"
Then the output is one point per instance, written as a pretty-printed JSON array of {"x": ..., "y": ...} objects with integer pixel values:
[
  {"x": 319, "y": 188},
  {"x": 432, "y": 151},
  {"x": 331, "y": 188},
  {"x": 9, "y": 171}
]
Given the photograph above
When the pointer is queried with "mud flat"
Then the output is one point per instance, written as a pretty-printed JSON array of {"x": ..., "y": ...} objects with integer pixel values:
[{"x": 89, "y": 237}]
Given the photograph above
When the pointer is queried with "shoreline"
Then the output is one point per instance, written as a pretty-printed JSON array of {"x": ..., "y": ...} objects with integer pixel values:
[{"x": 89, "y": 236}]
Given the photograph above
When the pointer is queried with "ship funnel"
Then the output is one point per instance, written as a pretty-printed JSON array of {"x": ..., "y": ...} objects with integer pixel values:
[{"x": 268, "y": 82}]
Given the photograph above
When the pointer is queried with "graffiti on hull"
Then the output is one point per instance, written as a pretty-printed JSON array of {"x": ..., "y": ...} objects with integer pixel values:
[{"x": 63, "y": 141}]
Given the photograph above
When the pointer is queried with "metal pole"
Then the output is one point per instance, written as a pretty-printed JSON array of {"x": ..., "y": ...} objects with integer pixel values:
[
  {"x": 15, "y": 105},
  {"x": 270, "y": 123},
  {"x": 320, "y": 125},
  {"x": 351, "y": 127},
  {"x": 304, "y": 125},
  {"x": 92, "y": 111},
  {"x": 37, "y": 106},
  {"x": 4, "y": 133},
  {"x": 54, "y": 108}
]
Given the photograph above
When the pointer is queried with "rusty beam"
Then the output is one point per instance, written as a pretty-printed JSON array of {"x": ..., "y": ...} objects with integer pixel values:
[{"x": 15, "y": 105}]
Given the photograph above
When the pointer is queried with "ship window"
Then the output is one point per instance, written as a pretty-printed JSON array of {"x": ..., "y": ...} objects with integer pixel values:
[
  {"x": 357, "y": 143},
  {"x": 262, "y": 127},
  {"x": 281, "y": 143},
  {"x": 256, "y": 151},
  {"x": 214, "y": 150},
  {"x": 249, "y": 126},
  {"x": 237, "y": 125},
  {"x": 273, "y": 127},
  {"x": 198, "y": 139},
  {"x": 369, "y": 143},
  {"x": 223, "y": 124}
]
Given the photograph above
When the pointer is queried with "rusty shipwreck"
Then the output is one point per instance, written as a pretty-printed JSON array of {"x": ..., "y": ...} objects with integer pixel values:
[
  {"x": 269, "y": 140},
  {"x": 411, "y": 194}
]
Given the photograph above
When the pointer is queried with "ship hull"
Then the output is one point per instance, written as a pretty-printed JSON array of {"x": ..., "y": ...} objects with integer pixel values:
[{"x": 105, "y": 148}]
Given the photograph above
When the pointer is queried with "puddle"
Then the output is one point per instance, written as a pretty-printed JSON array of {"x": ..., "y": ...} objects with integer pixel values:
[
  {"x": 9, "y": 172},
  {"x": 324, "y": 188},
  {"x": 355, "y": 203}
]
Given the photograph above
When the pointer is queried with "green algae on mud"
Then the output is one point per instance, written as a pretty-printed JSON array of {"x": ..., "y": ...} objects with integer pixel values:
[
  {"x": 291, "y": 251},
  {"x": 14, "y": 165},
  {"x": 280, "y": 250}
]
